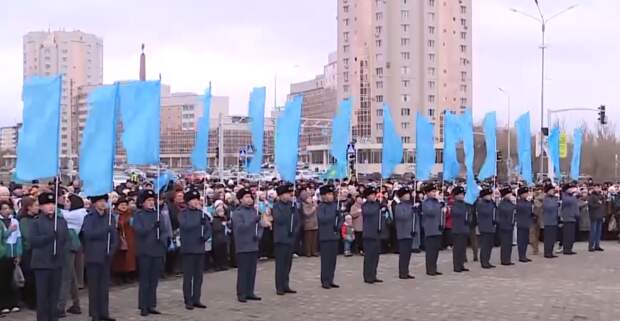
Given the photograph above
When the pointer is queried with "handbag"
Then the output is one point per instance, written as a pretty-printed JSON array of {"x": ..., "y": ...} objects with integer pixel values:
[
  {"x": 18, "y": 277},
  {"x": 613, "y": 225},
  {"x": 123, "y": 246}
]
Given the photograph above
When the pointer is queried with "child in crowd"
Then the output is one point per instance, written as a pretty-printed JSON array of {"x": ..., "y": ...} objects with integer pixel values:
[{"x": 348, "y": 234}]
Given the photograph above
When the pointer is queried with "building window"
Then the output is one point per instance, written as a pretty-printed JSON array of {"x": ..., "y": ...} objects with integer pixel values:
[
  {"x": 404, "y": 41},
  {"x": 405, "y": 111},
  {"x": 463, "y": 75},
  {"x": 404, "y": 83},
  {"x": 405, "y": 98},
  {"x": 431, "y": 30},
  {"x": 346, "y": 76},
  {"x": 431, "y": 16},
  {"x": 431, "y": 85},
  {"x": 379, "y": 84},
  {"x": 345, "y": 36},
  {"x": 431, "y": 71},
  {"x": 379, "y": 57},
  {"x": 464, "y": 35},
  {"x": 463, "y": 48},
  {"x": 379, "y": 126},
  {"x": 345, "y": 88},
  {"x": 405, "y": 27},
  {"x": 379, "y": 112},
  {"x": 404, "y": 70},
  {"x": 379, "y": 15},
  {"x": 464, "y": 61},
  {"x": 431, "y": 3},
  {"x": 431, "y": 57},
  {"x": 345, "y": 62},
  {"x": 463, "y": 22},
  {"x": 345, "y": 21},
  {"x": 379, "y": 71},
  {"x": 404, "y": 125},
  {"x": 378, "y": 30},
  {"x": 378, "y": 2},
  {"x": 345, "y": 8},
  {"x": 404, "y": 14},
  {"x": 379, "y": 98},
  {"x": 378, "y": 43},
  {"x": 431, "y": 111},
  {"x": 463, "y": 88},
  {"x": 463, "y": 10},
  {"x": 379, "y": 140},
  {"x": 463, "y": 102},
  {"x": 431, "y": 99},
  {"x": 345, "y": 48},
  {"x": 431, "y": 43},
  {"x": 405, "y": 139},
  {"x": 405, "y": 55}
]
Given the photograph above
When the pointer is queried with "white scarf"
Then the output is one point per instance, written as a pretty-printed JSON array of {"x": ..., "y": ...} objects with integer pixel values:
[{"x": 15, "y": 235}]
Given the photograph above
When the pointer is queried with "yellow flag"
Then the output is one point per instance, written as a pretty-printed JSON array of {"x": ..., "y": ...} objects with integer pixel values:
[{"x": 563, "y": 145}]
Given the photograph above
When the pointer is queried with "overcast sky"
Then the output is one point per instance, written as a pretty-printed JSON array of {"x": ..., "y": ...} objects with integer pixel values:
[{"x": 192, "y": 42}]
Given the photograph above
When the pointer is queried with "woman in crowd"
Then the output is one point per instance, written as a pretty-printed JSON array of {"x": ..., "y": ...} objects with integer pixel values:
[
  {"x": 10, "y": 239},
  {"x": 311, "y": 225},
  {"x": 28, "y": 212},
  {"x": 220, "y": 238},
  {"x": 124, "y": 262},
  {"x": 356, "y": 214}
]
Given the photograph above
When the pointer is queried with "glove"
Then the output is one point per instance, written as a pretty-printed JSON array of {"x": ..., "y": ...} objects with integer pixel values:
[
  {"x": 157, "y": 224},
  {"x": 203, "y": 220},
  {"x": 111, "y": 228}
]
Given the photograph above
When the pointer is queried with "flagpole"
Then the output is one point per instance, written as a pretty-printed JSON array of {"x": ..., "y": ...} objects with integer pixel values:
[
  {"x": 59, "y": 173},
  {"x": 157, "y": 205},
  {"x": 109, "y": 224}
]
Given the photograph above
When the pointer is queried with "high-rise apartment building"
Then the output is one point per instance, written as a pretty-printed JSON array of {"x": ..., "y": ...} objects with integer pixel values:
[
  {"x": 78, "y": 57},
  {"x": 414, "y": 55},
  {"x": 8, "y": 138}
]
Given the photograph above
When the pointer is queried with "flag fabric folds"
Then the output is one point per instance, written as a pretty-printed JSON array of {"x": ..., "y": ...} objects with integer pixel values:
[
  {"x": 201, "y": 145},
  {"x": 392, "y": 152},
  {"x": 341, "y": 137},
  {"x": 98, "y": 146},
  {"x": 425, "y": 148},
  {"x": 37, "y": 146},
  {"x": 554, "y": 152},
  {"x": 489, "y": 167},
  {"x": 287, "y": 139},
  {"x": 164, "y": 180},
  {"x": 140, "y": 112},
  {"x": 257, "y": 126},
  {"x": 452, "y": 136},
  {"x": 524, "y": 147},
  {"x": 576, "y": 159},
  {"x": 467, "y": 132}
]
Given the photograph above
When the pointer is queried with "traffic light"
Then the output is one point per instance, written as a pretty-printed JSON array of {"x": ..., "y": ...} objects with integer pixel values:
[
  {"x": 602, "y": 119},
  {"x": 217, "y": 153},
  {"x": 499, "y": 156}
]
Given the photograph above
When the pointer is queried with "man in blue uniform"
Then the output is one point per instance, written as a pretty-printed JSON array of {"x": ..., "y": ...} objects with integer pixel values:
[
  {"x": 329, "y": 220},
  {"x": 373, "y": 222},
  {"x": 570, "y": 212},
  {"x": 100, "y": 242},
  {"x": 485, "y": 210},
  {"x": 551, "y": 206},
  {"x": 505, "y": 219},
  {"x": 433, "y": 222},
  {"x": 151, "y": 240},
  {"x": 286, "y": 224},
  {"x": 461, "y": 215},
  {"x": 248, "y": 229},
  {"x": 195, "y": 231},
  {"x": 525, "y": 218},
  {"x": 405, "y": 231}
]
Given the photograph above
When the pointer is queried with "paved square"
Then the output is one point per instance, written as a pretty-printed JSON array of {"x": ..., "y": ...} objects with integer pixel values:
[{"x": 579, "y": 287}]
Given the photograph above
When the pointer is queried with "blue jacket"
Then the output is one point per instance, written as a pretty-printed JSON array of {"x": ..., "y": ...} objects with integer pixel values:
[
  {"x": 286, "y": 223},
  {"x": 505, "y": 215},
  {"x": 246, "y": 229},
  {"x": 551, "y": 205},
  {"x": 570, "y": 208},
  {"x": 146, "y": 234},
  {"x": 525, "y": 213},
  {"x": 372, "y": 220},
  {"x": 485, "y": 211},
  {"x": 329, "y": 221},
  {"x": 95, "y": 230},
  {"x": 461, "y": 216},
  {"x": 432, "y": 217},
  {"x": 191, "y": 227},
  {"x": 404, "y": 220},
  {"x": 42, "y": 242}
]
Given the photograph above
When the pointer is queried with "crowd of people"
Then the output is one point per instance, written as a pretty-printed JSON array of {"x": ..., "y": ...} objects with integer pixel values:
[{"x": 54, "y": 241}]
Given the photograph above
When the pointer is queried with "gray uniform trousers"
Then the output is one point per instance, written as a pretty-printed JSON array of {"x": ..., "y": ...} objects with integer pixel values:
[
  {"x": 48, "y": 283},
  {"x": 371, "y": 259},
  {"x": 569, "y": 236},
  {"x": 150, "y": 269},
  {"x": 329, "y": 254},
  {"x": 549, "y": 236},
  {"x": 246, "y": 273},
  {"x": 284, "y": 261},
  {"x": 459, "y": 251},
  {"x": 404, "y": 256},
  {"x": 506, "y": 246},
  {"x": 486, "y": 247},
  {"x": 432, "y": 244},
  {"x": 193, "y": 266},
  {"x": 98, "y": 275}
]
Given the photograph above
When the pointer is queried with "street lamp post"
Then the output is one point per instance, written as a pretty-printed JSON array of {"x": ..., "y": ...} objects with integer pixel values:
[
  {"x": 509, "y": 157},
  {"x": 543, "y": 25}
]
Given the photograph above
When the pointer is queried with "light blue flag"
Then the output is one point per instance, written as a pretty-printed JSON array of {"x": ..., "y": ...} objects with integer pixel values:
[
  {"x": 140, "y": 107},
  {"x": 452, "y": 136},
  {"x": 425, "y": 147},
  {"x": 164, "y": 180},
  {"x": 392, "y": 153},
  {"x": 341, "y": 126},
  {"x": 524, "y": 147},
  {"x": 201, "y": 145},
  {"x": 576, "y": 160},
  {"x": 489, "y": 168},
  {"x": 98, "y": 145},
  {"x": 257, "y": 118},
  {"x": 37, "y": 146},
  {"x": 554, "y": 151},
  {"x": 287, "y": 139},
  {"x": 467, "y": 133}
]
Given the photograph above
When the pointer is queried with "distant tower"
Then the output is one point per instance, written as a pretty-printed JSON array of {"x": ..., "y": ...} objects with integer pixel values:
[{"x": 142, "y": 65}]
